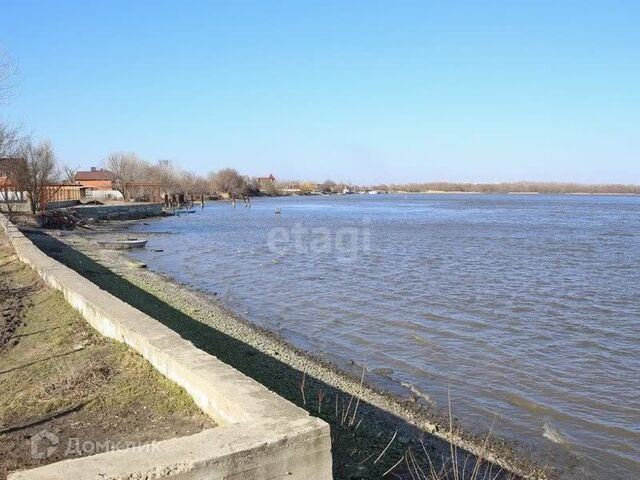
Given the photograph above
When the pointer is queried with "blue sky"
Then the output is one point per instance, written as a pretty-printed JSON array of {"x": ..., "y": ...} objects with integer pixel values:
[{"x": 361, "y": 91}]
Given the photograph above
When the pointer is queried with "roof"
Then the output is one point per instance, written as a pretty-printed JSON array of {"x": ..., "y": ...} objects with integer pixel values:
[
  {"x": 95, "y": 174},
  {"x": 270, "y": 178}
]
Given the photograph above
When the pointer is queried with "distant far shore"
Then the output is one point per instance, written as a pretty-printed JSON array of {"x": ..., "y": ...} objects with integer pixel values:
[
  {"x": 443, "y": 187},
  {"x": 452, "y": 192}
]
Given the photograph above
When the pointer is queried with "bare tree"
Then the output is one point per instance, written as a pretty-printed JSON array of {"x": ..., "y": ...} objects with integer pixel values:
[
  {"x": 10, "y": 166},
  {"x": 167, "y": 176},
  {"x": 69, "y": 174},
  {"x": 307, "y": 187},
  {"x": 328, "y": 186},
  {"x": 40, "y": 171},
  {"x": 253, "y": 186},
  {"x": 270, "y": 188},
  {"x": 9, "y": 140},
  {"x": 187, "y": 181},
  {"x": 12, "y": 174},
  {"x": 229, "y": 181},
  {"x": 128, "y": 168},
  {"x": 138, "y": 178}
]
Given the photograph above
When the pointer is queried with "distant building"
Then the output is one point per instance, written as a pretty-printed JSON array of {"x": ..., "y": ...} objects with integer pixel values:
[
  {"x": 96, "y": 179},
  {"x": 266, "y": 180}
]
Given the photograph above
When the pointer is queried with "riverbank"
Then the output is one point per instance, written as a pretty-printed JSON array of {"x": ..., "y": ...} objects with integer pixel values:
[
  {"x": 462, "y": 192},
  {"x": 364, "y": 420},
  {"x": 88, "y": 394}
]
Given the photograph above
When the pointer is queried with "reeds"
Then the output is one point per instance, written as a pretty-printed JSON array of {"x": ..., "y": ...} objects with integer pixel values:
[
  {"x": 474, "y": 467},
  {"x": 379, "y": 453}
]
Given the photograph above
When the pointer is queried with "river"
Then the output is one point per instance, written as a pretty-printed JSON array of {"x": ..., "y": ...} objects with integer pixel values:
[{"x": 525, "y": 307}]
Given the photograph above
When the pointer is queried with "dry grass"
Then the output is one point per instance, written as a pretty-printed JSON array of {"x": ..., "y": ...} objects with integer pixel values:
[
  {"x": 415, "y": 463},
  {"x": 421, "y": 465},
  {"x": 57, "y": 373},
  {"x": 59, "y": 362}
]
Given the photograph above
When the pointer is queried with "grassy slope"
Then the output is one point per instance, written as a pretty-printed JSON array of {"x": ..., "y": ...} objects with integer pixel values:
[{"x": 55, "y": 361}]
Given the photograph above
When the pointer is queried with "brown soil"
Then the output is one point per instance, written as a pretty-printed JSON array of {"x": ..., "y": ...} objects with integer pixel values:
[
  {"x": 83, "y": 393},
  {"x": 11, "y": 305}
]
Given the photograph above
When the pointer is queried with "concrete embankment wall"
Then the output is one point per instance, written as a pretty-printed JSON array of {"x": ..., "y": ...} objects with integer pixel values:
[
  {"x": 119, "y": 212},
  {"x": 25, "y": 207},
  {"x": 260, "y": 435}
]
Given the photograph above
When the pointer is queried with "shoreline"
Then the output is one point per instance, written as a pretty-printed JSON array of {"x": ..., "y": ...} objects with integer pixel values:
[
  {"x": 384, "y": 412},
  {"x": 459, "y": 192}
]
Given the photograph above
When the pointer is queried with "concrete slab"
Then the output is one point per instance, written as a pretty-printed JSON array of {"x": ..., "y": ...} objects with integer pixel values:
[{"x": 261, "y": 435}]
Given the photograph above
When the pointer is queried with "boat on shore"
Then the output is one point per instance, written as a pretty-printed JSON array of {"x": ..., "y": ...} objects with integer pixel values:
[{"x": 122, "y": 244}]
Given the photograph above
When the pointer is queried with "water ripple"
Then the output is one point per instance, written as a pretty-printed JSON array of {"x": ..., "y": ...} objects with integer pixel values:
[{"x": 527, "y": 308}]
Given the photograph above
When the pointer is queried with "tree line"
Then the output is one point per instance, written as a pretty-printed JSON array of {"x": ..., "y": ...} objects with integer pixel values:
[
  {"x": 136, "y": 177},
  {"x": 30, "y": 166},
  {"x": 514, "y": 187}
]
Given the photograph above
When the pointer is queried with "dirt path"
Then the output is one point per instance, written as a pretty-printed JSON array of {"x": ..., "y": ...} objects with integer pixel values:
[{"x": 66, "y": 391}]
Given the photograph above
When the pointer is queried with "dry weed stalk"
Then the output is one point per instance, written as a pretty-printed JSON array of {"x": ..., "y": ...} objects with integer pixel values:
[{"x": 450, "y": 469}]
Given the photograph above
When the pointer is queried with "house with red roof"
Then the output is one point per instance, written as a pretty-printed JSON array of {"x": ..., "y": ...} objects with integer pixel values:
[{"x": 96, "y": 179}]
